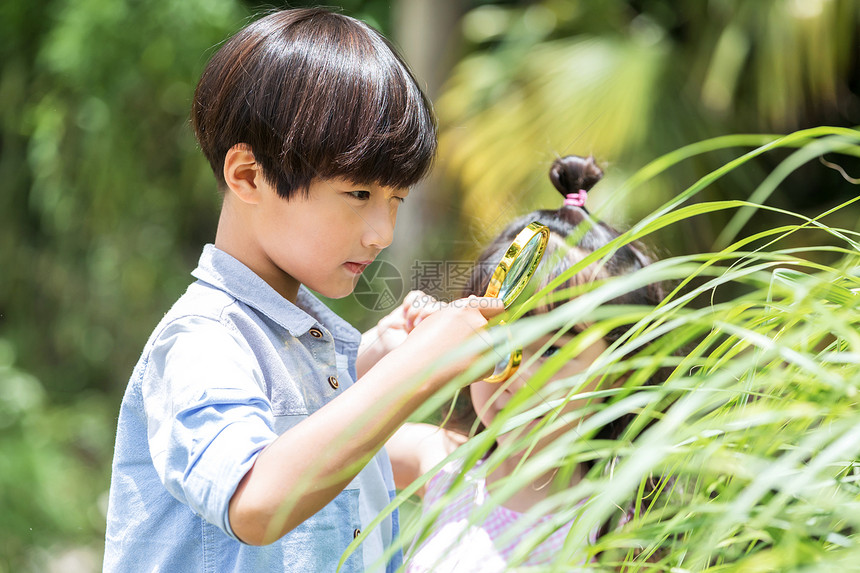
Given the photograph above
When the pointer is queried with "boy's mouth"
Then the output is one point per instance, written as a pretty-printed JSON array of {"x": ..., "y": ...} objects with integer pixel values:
[{"x": 356, "y": 268}]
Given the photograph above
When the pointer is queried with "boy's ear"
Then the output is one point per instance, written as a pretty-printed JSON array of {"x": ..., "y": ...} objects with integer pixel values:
[{"x": 242, "y": 173}]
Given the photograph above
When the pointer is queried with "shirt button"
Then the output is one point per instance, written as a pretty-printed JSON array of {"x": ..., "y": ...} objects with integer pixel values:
[
  {"x": 316, "y": 333},
  {"x": 356, "y": 533},
  {"x": 332, "y": 381}
]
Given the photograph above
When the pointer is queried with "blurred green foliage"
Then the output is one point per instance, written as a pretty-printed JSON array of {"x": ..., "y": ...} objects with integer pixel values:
[
  {"x": 106, "y": 201},
  {"x": 628, "y": 81},
  {"x": 110, "y": 193},
  {"x": 52, "y": 471}
]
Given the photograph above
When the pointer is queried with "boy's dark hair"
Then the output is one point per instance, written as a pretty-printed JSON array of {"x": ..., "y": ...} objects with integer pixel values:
[{"x": 314, "y": 94}]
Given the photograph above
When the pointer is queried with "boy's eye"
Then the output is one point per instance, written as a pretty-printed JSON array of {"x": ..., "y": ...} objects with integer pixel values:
[
  {"x": 361, "y": 195},
  {"x": 550, "y": 351},
  {"x": 400, "y": 199}
]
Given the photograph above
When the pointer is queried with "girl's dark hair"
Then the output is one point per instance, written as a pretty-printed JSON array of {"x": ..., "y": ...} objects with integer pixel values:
[
  {"x": 574, "y": 234},
  {"x": 314, "y": 94},
  {"x": 566, "y": 224}
]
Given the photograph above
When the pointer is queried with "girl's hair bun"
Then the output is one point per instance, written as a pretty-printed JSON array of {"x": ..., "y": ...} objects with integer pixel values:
[{"x": 571, "y": 173}]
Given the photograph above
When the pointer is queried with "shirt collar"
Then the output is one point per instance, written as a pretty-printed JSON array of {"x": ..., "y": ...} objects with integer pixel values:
[{"x": 227, "y": 273}]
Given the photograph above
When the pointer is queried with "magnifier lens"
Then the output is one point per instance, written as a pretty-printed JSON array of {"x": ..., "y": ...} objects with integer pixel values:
[
  {"x": 501, "y": 365},
  {"x": 509, "y": 280},
  {"x": 520, "y": 272}
]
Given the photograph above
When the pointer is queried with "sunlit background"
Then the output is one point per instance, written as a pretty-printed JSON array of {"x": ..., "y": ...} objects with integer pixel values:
[{"x": 106, "y": 202}]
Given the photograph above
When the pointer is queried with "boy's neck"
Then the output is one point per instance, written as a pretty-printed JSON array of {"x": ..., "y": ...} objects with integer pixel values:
[{"x": 233, "y": 238}]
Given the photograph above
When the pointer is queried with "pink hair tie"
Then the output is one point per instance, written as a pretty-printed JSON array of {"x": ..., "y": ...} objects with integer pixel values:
[{"x": 576, "y": 199}]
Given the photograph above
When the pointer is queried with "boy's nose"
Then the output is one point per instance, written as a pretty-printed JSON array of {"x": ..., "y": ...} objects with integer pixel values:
[{"x": 379, "y": 232}]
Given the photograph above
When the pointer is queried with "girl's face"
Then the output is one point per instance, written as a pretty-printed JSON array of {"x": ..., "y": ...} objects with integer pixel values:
[{"x": 489, "y": 399}]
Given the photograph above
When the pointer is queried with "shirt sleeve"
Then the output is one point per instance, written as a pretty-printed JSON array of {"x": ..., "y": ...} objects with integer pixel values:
[{"x": 208, "y": 414}]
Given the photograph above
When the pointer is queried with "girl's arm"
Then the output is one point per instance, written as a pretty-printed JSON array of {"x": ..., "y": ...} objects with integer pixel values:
[
  {"x": 415, "y": 449},
  {"x": 308, "y": 465}
]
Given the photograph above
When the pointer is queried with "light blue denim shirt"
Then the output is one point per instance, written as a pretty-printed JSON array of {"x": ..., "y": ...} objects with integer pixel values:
[{"x": 228, "y": 369}]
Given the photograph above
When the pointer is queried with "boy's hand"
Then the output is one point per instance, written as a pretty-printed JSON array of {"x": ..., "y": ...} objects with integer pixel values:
[
  {"x": 390, "y": 332},
  {"x": 442, "y": 331},
  {"x": 418, "y": 305}
]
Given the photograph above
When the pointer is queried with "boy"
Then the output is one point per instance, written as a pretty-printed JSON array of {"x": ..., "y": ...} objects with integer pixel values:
[{"x": 242, "y": 442}]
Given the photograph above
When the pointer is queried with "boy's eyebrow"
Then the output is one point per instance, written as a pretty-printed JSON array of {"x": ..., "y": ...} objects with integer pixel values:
[{"x": 403, "y": 191}]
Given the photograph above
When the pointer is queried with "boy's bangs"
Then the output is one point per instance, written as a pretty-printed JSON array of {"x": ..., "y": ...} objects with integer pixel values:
[
  {"x": 389, "y": 136},
  {"x": 366, "y": 120}
]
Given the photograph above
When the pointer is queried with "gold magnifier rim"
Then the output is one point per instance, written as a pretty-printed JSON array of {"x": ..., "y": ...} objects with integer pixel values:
[
  {"x": 519, "y": 243},
  {"x": 514, "y": 359}
]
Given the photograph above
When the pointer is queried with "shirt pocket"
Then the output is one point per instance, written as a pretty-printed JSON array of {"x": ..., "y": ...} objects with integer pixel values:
[
  {"x": 289, "y": 387},
  {"x": 319, "y": 542}
]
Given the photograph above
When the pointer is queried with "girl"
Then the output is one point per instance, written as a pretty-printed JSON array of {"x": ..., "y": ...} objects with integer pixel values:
[{"x": 460, "y": 541}]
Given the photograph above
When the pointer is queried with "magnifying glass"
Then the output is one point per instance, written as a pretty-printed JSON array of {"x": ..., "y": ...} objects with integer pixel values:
[{"x": 510, "y": 277}]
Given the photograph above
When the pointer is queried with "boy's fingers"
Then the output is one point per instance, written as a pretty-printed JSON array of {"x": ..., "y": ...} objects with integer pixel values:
[
  {"x": 421, "y": 305},
  {"x": 411, "y": 296},
  {"x": 493, "y": 307},
  {"x": 488, "y": 306}
]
